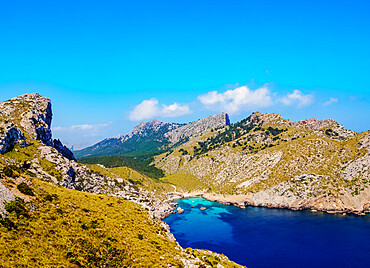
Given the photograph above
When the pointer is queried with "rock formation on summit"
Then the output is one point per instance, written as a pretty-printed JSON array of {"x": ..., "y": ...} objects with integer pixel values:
[
  {"x": 28, "y": 117},
  {"x": 198, "y": 127}
]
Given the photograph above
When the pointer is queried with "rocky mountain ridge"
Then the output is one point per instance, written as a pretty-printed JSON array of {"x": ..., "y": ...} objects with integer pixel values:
[
  {"x": 273, "y": 162},
  {"x": 198, "y": 127},
  {"x": 153, "y": 136}
]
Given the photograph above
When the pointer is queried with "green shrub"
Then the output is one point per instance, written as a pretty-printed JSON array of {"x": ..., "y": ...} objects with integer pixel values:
[
  {"x": 10, "y": 171},
  {"x": 25, "y": 189},
  {"x": 142, "y": 164},
  {"x": 50, "y": 197},
  {"x": 17, "y": 207},
  {"x": 7, "y": 223}
]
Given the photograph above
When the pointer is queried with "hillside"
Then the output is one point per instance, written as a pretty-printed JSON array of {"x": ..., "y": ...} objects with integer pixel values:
[
  {"x": 152, "y": 137},
  {"x": 55, "y": 212},
  {"x": 140, "y": 164},
  {"x": 265, "y": 160}
]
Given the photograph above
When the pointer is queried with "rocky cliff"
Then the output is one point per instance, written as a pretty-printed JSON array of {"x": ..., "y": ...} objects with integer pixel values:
[
  {"x": 5, "y": 196},
  {"x": 274, "y": 162},
  {"x": 197, "y": 128},
  {"x": 25, "y": 118}
]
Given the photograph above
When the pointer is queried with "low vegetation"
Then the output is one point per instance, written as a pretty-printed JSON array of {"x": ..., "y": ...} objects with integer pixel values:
[
  {"x": 141, "y": 164},
  {"x": 184, "y": 181},
  {"x": 61, "y": 227},
  {"x": 252, "y": 156},
  {"x": 25, "y": 189}
]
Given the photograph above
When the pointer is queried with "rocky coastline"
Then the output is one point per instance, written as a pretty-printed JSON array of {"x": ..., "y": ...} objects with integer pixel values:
[{"x": 243, "y": 201}]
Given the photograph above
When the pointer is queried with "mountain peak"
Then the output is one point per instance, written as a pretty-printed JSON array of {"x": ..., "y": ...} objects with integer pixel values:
[
  {"x": 28, "y": 116},
  {"x": 151, "y": 126},
  {"x": 152, "y": 136},
  {"x": 31, "y": 113},
  {"x": 274, "y": 118},
  {"x": 316, "y": 123},
  {"x": 198, "y": 127},
  {"x": 30, "y": 96}
]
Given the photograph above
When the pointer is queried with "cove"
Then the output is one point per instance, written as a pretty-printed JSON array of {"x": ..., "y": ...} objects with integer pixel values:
[{"x": 265, "y": 237}]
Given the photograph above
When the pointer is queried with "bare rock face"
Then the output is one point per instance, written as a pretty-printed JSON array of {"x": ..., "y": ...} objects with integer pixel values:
[
  {"x": 198, "y": 127},
  {"x": 9, "y": 137},
  {"x": 180, "y": 210},
  {"x": 57, "y": 144},
  {"x": 274, "y": 118},
  {"x": 35, "y": 115},
  {"x": 359, "y": 168},
  {"x": 307, "y": 194},
  {"x": 27, "y": 117},
  {"x": 317, "y": 124},
  {"x": 5, "y": 197},
  {"x": 154, "y": 126},
  {"x": 328, "y": 127}
]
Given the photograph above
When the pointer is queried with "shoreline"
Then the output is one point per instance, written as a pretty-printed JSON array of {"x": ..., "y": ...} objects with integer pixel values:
[{"x": 243, "y": 201}]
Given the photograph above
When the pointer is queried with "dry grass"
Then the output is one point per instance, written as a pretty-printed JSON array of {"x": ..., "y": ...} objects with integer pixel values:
[{"x": 71, "y": 228}]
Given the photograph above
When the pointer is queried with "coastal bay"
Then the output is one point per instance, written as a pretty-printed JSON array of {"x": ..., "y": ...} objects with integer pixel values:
[{"x": 266, "y": 237}]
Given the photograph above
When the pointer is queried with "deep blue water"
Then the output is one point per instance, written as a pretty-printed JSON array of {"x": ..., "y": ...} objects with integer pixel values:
[{"x": 264, "y": 237}]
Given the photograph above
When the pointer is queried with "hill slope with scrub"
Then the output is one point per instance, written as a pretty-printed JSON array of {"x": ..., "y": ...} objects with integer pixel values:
[
  {"x": 266, "y": 160},
  {"x": 55, "y": 212}
]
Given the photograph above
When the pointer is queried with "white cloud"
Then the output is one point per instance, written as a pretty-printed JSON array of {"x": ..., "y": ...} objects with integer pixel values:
[
  {"x": 58, "y": 128},
  {"x": 232, "y": 101},
  {"x": 297, "y": 97},
  {"x": 87, "y": 126},
  {"x": 235, "y": 100},
  {"x": 148, "y": 109},
  {"x": 80, "y": 136},
  {"x": 330, "y": 101},
  {"x": 85, "y": 129},
  {"x": 145, "y": 110},
  {"x": 174, "y": 110}
]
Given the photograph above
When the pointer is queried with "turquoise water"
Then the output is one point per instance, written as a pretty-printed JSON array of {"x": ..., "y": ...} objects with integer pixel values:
[{"x": 263, "y": 237}]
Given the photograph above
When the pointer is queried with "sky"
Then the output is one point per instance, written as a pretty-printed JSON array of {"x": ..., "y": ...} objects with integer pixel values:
[{"x": 108, "y": 65}]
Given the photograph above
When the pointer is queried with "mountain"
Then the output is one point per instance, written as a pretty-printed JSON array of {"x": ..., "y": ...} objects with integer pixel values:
[
  {"x": 28, "y": 117},
  {"x": 266, "y": 160},
  {"x": 153, "y": 136},
  {"x": 55, "y": 212}
]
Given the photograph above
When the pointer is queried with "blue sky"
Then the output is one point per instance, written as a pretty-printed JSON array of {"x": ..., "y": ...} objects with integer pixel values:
[{"x": 108, "y": 65}]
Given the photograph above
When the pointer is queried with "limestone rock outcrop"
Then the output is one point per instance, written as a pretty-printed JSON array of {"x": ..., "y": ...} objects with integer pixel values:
[
  {"x": 27, "y": 117},
  {"x": 306, "y": 192},
  {"x": 317, "y": 124},
  {"x": 9, "y": 137},
  {"x": 5, "y": 197},
  {"x": 196, "y": 128},
  {"x": 180, "y": 210}
]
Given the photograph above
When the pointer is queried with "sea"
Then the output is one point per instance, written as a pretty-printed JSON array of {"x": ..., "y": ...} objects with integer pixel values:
[{"x": 266, "y": 237}]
